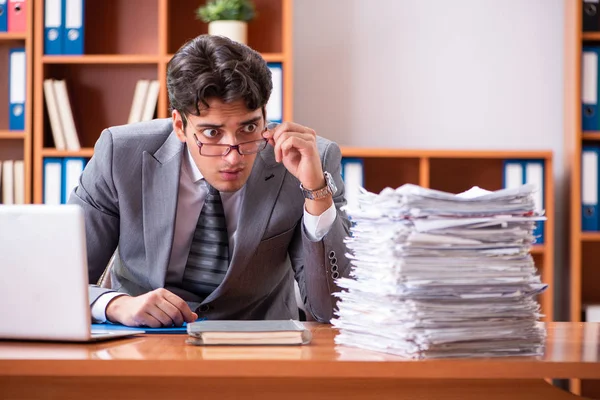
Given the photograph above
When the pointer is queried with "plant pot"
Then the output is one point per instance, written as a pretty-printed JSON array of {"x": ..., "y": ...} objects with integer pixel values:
[{"x": 234, "y": 30}]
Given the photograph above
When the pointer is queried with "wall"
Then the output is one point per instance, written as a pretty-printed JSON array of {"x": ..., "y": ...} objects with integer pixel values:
[{"x": 462, "y": 74}]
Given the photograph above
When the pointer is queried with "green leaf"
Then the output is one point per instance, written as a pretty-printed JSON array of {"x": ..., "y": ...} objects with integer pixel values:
[{"x": 226, "y": 10}]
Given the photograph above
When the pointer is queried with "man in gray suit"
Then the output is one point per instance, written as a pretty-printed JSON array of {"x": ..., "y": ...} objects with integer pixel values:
[{"x": 161, "y": 192}]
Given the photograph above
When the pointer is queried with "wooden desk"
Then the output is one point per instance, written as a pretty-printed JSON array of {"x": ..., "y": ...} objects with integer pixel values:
[{"x": 163, "y": 366}]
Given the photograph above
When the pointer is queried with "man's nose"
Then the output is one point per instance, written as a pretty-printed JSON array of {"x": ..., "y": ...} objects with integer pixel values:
[{"x": 234, "y": 156}]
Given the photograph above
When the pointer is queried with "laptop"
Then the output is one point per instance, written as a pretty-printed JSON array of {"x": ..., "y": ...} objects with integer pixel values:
[{"x": 44, "y": 276}]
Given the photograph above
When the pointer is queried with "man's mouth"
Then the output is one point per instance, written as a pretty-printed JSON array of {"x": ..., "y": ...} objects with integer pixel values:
[{"x": 230, "y": 174}]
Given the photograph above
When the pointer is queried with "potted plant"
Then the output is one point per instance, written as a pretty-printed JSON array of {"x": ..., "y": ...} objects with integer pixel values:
[{"x": 228, "y": 18}]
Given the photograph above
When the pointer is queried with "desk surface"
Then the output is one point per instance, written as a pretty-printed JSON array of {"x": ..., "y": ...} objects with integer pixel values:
[{"x": 572, "y": 351}]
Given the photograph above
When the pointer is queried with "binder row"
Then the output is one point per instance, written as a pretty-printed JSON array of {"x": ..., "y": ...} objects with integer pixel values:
[
  {"x": 13, "y": 16},
  {"x": 12, "y": 182},
  {"x": 520, "y": 172},
  {"x": 63, "y": 27},
  {"x": 61, "y": 176},
  {"x": 17, "y": 88},
  {"x": 590, "y": 222}
]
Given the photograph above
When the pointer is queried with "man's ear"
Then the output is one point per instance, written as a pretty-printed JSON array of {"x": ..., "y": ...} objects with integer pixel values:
[{"x": 178, "y": 126}]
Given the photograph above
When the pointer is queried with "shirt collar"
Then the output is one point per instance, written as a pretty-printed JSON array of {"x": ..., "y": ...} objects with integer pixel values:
[{"x": 191, "y": 166}]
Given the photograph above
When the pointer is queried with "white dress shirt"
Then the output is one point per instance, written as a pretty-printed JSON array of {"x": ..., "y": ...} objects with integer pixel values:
[{"x": 190, "y": 199}]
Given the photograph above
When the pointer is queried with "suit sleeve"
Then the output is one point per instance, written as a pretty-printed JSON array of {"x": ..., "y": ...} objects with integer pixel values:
[
  {"x": 97, "y": 195},
  {"x": 317, "y": 264}
]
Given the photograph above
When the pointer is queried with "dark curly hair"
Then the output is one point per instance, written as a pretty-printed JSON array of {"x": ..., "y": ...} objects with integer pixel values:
[{"x": 215, "y": 66}]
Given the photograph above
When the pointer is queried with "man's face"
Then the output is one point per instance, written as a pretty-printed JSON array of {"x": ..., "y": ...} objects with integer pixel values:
[{"x": 222, "y": 123}]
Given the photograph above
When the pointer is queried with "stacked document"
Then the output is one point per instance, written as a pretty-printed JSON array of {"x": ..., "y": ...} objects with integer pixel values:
[{"x": 436, "y": 274}]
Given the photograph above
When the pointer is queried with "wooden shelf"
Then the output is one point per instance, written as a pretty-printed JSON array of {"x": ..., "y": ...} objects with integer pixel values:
[
  {"x": 408, "y": 153},
  {"x": 590, "y": 236},
  {"x": 269, "y": 57},
  {"x": 12, "y": 36},
  {"x": 584, "y": 249},
  {"x": 103, "y": 59},
  {"x": 273, "y": 57},
  {"x": 590, "y": 36},
  {"x": 84, "y": 152},
  {"x": 538, "y": 249},
  {"x": 126, "y": 41},
  {"x": 590, "y": 135},
  {"x": 12, "y": 134},
  {"x": 17, "y": 144}
]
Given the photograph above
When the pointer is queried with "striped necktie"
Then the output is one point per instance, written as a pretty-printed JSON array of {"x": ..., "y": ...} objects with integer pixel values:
[{"x": 209, "y": 253}]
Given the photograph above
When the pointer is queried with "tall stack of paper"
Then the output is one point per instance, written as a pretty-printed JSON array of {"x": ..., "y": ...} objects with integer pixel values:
[{"x": 441, "y": 275}]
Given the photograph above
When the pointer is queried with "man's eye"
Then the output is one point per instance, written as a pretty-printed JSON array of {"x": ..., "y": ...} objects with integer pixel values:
[
  {"x": 250, "y": 128},
  {"x": 210, "y": 133}
]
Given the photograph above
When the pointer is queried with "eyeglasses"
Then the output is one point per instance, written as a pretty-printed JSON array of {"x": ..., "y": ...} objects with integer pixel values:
[{"x": 221, "y": 150}]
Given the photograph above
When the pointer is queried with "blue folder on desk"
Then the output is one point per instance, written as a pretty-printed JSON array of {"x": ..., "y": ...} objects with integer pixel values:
[{"x": 163, "y": 330}]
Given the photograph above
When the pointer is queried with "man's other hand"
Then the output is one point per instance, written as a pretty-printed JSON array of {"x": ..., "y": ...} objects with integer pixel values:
[{"x": 153, "y": 309}]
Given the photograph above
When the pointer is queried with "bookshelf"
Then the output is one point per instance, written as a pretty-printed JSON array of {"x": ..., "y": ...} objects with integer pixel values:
[
  {"x": 457, "y": 171},
  {"x": 128, "y": 40},
  {"x": 16, "y": 145},
  {"x": 584, "y": 247}
]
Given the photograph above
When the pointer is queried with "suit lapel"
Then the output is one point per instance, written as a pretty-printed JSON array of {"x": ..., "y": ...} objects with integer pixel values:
[
  {"x": 160, "y": 188},
  {"x": 261, "y": 193}
]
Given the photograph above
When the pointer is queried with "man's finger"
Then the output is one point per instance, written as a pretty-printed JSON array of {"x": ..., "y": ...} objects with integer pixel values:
[
  {"x": 293, "y": 143},
  {"x": 269, "y": 136},
  {"x": 146, "y": 319},
  {"x": 182, "y": 306},
  {"x": 297, "y": 141},
  {"x": 172, "y": 311},
  {"x": 306, "y": 141},
  {"x": 160, "y": 315},
  {"x": 270, "y": 130},
  {"x": 304, "y": 136},
  {"x": 291, "y": 127}
]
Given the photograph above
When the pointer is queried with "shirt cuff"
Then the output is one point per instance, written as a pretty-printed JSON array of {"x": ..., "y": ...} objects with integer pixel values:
[
  {"x": 317, "y": 226},
  {"x": 99, "y": 306}
]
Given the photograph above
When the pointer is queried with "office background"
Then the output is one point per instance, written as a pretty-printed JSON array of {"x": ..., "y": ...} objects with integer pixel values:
[
  {"x": 391, "y": 74},
  {"x": 466, "y": 74}
]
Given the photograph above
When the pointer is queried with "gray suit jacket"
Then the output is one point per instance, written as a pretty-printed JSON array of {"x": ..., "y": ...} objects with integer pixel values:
[{"x": 128, "y": 192}]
